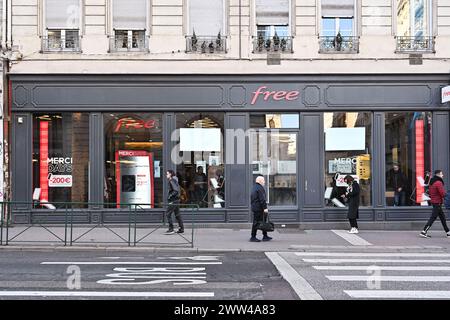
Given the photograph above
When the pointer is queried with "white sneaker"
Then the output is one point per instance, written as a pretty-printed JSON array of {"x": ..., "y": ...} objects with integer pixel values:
[
  {"x": 352, "y": 230},
  {"x": 356, "y": 231}
]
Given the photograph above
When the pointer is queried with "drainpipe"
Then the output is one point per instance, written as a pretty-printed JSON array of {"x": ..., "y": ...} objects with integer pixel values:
[
  {"x": 9, "y": 21},
  {"x": 240, "y": 28},
  {"x": 4, "y": 4}
]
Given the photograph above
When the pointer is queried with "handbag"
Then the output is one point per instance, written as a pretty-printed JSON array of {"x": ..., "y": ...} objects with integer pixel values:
[{"x": 266, "y": 225}]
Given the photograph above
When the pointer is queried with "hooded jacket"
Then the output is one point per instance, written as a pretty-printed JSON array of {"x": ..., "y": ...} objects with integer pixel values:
[{"x": 436, "y": 190}]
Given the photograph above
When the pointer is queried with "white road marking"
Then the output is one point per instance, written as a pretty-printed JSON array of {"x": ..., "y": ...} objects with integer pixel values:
[
  {"x": 375, "y": 261},
  {"x": 128, "y": 262},
  {"x": 370, "y": 254},
  {"x": 303, "y": 289},
  {"x": 391, "y": 278},
  {"x": 398, "y": 294},
  {"x": 103, "y": 294},
  {"x": 385, "y": 268},
  {"x": 352, "y": 238}
]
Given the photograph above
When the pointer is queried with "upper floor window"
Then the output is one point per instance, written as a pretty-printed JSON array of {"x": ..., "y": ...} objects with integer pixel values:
[
  {"x": 338, "y": 26},
  {"x": 206, "y": 26},
  {"x": 272, "y": 26},
  {"x": 414, "y": 25},
  {"x": 62, "y": 25},
  {"x": 129, "y": 21}
]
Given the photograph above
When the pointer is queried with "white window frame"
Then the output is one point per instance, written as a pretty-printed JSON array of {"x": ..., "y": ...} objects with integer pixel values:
[
  {"x": 431, "y": 23},
  {"x": 226, "y": 7},
  {"x": 355, "y": 26},
  {"x": 44, "y": 20},
  {"x": 110, "y": 19},
  {"x": 290, "y": 26}
]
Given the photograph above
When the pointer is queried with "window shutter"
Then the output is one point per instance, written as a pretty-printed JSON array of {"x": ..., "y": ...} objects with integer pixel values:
[
  {"x": 272, "y": 12},
  {"x": 130, "y": 14},
  {"x": 62, "y": 14},
  {"x": 206, "y": 19},
  {"x": 338, "y": 8}
]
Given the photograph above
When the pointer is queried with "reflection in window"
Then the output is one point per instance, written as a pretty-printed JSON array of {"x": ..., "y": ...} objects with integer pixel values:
[
  {"x": 414, "y": 18},
  {"x": 347, "y": 152},
  {"x": 201, "y": 171},
  {"x": 408, "y": 157},
  {"x": 60, "y": 158},
  {"x": 274, "y": 155},
  {"x": 133, "y": 159},
  {"x": 274, "y": 121}
]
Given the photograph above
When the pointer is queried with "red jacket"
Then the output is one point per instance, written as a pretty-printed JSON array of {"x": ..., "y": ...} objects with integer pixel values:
[{"x": 436, "y": 190}]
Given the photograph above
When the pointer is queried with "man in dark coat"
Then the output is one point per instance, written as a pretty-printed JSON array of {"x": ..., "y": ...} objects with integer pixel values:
[
  {"x": 352, "y": 196},
  {"x": 437, "y": 194},
  {"x": 173, "y": 199},
  {"x": 396, "y": 180},
  {"x": 259, "y": 208}
]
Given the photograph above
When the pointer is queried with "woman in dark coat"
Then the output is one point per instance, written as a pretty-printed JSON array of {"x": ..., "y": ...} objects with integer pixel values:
[{"x": 352, "y": 196}]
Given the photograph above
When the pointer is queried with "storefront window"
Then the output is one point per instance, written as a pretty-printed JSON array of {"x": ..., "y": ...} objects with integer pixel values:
[
  {"x": 133, "y": 160},
  {"x": 347, "y": 152},
  {"x": 408, "y": 158},
  {"x": 273, "y": 155},
  {"x": 60, "y": 159},
  {"x": 201, "y": 170},
  {"x": 275, "y": 121}
]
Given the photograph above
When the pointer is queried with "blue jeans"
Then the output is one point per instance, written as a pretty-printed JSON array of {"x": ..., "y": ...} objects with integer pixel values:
[{"x": 399, "y": 198}]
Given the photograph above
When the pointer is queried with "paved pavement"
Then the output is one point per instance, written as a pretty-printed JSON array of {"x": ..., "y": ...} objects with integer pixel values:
[{"x": 219, "y": 239}]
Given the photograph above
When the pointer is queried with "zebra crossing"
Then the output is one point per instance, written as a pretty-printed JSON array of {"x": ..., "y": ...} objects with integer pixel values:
[{"x": 374, "y": 275}]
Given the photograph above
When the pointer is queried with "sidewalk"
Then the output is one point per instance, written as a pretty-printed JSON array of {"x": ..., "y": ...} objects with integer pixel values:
[{"x": 223, "y": 239}]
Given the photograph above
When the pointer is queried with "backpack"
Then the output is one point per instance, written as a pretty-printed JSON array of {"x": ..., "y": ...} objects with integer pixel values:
[{"x": 447, "y": 200}]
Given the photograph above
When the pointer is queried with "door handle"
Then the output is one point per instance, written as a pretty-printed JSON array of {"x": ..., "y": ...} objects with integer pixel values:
[{"x": 306, "y": 185}]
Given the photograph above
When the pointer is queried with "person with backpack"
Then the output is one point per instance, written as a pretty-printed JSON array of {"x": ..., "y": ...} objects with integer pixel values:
[
  {"x": 173, "y": 200},
  {"x": 437, "y": 193}
]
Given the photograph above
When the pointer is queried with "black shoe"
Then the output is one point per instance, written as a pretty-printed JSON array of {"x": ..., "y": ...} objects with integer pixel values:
[
  {"x": 267, "y": 238},
  {"x": 254, "y": 239},
  {"x": 180, "y": 231},
  {"x": 170, "y": 231}
]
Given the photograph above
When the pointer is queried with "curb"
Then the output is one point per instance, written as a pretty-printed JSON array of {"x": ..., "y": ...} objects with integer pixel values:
[{"x": 115, "y": 249}]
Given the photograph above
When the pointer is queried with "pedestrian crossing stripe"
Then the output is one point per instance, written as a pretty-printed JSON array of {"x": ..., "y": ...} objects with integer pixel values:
[
  {"x": 383, "y": 268},
  {"x": 371, "y": 254},
  {"x": 398, "y": 294},
  {"x": 376, "y": 260},
  {"x": 391, "y": 278}
]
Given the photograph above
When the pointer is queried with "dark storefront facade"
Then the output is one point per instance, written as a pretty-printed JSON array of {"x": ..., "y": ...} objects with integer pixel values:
[{"x": 109, "y": 140}]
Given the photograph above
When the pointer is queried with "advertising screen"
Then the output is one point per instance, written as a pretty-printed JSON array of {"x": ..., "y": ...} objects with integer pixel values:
[{"x": 134, "y": 178}]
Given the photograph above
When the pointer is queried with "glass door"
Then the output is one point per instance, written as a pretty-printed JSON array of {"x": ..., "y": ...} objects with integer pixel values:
[{"x": 273, "y": 154}]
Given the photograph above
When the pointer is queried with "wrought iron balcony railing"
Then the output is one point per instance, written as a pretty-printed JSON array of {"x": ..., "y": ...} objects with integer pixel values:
[
  {"x": 338, "y": 44},
  {"x": 201, "y": 44},
  {"x": 272, "y": 44},
  {"x": 415, "y": 44},
  {"x": 58, "y": 43},
  {"x": 124, "y": 43}
]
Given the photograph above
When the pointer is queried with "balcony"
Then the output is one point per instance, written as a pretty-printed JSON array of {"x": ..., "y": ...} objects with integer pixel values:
[
  {"x": 272, "y": 44},
  {"x": 338, "y": 44},
  {"x": 201, "y": 44},
  {"x": 415, "y": 44},
  {"x": 61, "y": 41},
  {"x": 128, "y": 41}
]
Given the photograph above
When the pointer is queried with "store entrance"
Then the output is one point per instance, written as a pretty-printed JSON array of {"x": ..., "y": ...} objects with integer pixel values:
[{"x": 273, "y": 155}]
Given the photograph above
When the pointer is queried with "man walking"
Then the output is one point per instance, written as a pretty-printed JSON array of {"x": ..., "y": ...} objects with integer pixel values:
[
  {"x": 437, "y": 194},
  {"x": 259, "y": 208},
  {"x": 173, "y": 200}
]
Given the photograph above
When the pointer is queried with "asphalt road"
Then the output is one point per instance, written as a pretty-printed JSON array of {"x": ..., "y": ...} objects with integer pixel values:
[{"x": 131, "y": 275}]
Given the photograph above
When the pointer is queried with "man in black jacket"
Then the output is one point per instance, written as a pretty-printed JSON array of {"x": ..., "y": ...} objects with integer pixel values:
[
  {"x": 173, "y": 200},
  {"x": 259, "y": 208},
  {"x": 397, "y": 181}
]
